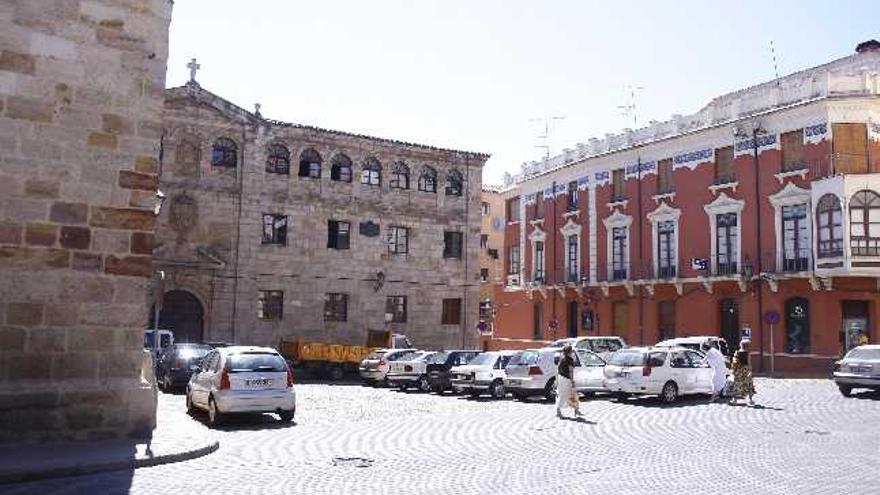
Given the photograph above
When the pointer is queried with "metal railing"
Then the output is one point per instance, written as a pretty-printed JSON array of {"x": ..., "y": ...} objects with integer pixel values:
[{"x": 789, "y": 260}]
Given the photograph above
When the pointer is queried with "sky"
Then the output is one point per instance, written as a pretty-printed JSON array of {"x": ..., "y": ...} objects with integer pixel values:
[{"x": 483, "y": 75}]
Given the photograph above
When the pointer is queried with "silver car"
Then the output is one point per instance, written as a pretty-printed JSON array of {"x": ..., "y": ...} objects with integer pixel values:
[
  {"x": 860, "y": 368},
  {"x": 242, "y": 379}
]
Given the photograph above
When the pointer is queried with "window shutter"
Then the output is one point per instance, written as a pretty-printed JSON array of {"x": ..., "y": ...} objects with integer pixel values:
[
  {"x": 332, "y": 231},
  {"x": 792, "y": 150},
  {"x": 850, "y": 143},
  {"x": 724, "y": 164}
]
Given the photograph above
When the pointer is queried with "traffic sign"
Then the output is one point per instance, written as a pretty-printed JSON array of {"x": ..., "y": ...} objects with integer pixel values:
[
  {"x": 746, "y": 333},
  {"x": 771, "y": 317}
]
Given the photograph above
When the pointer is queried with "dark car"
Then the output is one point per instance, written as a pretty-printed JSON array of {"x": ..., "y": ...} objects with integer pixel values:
[
  {"x": 176, "y": 364},
  {"x": 439, "y": 367}
]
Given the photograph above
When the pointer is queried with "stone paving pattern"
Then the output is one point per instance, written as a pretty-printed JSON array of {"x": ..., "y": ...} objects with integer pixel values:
[{"x": 804, "y": 438}]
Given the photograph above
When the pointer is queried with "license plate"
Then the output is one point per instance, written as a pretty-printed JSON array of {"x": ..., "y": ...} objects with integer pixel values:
[{"x": 261, "y": 381}]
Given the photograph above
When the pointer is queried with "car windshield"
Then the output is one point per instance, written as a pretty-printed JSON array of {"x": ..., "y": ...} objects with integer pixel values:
[
  {"x": 195, "y": 351},
  {"x": 484, "y": 360},
  {"x": 400, "y": 356},
  {"x": 627, "y": 358},
  {"x": 438, "y": 358},
  {"x": 375, "y": 355},
  {"x": 424, "y": 356},
  {"x": 868, "y": 354},
  {"x": 526, "y": 358},
  {"x": 255, "y": 361},
  {"x": 603, "y": 345}
]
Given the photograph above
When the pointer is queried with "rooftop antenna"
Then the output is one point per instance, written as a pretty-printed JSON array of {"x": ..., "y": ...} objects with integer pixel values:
[
  {"x": 631, "y": 107},
  {"x": 544, "y": 138},
  {"x": 775, "y": 65}
]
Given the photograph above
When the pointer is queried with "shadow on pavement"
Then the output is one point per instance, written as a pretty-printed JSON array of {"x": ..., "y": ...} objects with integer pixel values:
[
  {"x": 868, "y": 394},
  {"x": 239, "y": 422}
]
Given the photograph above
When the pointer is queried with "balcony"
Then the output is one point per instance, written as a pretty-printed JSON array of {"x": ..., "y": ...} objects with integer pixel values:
[{"x": 788, "y": 260}]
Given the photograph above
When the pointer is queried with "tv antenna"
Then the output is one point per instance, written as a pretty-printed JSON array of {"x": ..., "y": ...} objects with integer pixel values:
[
  {"x": 631, "y": 107},
  {"x": 775, "y": 64},
  {"x": 544, "y": 138}
]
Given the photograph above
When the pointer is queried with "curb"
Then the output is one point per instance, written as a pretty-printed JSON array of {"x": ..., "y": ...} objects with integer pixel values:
[{"x": 100, "y": 467}]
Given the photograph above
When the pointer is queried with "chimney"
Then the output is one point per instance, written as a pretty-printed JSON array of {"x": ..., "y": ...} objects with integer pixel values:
[{"x": 868, "y": 46}]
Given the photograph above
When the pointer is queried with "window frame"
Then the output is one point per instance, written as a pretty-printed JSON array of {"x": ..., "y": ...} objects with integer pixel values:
[
  {"x": 667, "y": 265},
  {"x": 572, "y": 255},
  {"x": 278, "y": 236},
  {"x": 341, "y": 168},
  {"x": 268, "y": 302},
  {"x": 792, "y": 159},
  {"x": 869, "y": 201},
  {"x": 618, "y": 185},
  {"x": 394, "y": 239},
  {"x": 277, "y": 159},
  {"x": 450, "y": 313},
  {"x": 428, "y": 180},
  {"x": 335, "y": 306},
  {"x": 800, "y": 260},
  {"x": 665, "y": 177},
  {"x": 513, "y": 260},
  {"x": 397, "y": 307},
  {"x": 832, "y": 247},
  {"x": 619, "y": 246},
  {"x": 725, "y": 172},
  {"x": 334, "y": 237},
  {"x": 227, "y": 149},
  {"x": 399, "y": 176},
  {"x": 371, "y": 173},
  {"x": 573, "y": 199},
  {"x": 538, "y": 274},
  {"x": 512, "y": 207},
  {"x": 453, "y": 244},
  {"x": 310, "y": 164},
  {"x": 454, "y": 183},
  {"x": 729, "y": 233}
]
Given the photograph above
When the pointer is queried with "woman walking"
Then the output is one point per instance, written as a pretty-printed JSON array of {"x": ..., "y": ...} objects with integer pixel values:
[
  {"x": 566, "y": 395},
  {"x": 743, "y": 385}
]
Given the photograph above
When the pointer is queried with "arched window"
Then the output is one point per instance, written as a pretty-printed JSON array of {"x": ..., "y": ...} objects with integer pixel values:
[
  {"x": 797, "y": 325},
  {"x": 372, "y": 172},
  {"x": 399, "y": 176},
  {"x": 341, "y": 168},
  {"x": 188, "y": 155},
  {"x": 224, "y": 153},
  {"x": 864, "y": 223},
  {"x": 428, "y": 180},
  {"x": 310, "y": 164},
  {"x": 454, "y": 183},
  {"x": 828, "y": 221},
  {"x": 278, "y": 159}
]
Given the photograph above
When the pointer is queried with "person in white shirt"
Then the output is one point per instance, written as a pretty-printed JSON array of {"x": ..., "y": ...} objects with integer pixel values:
[{"x": 716, "y": 361}]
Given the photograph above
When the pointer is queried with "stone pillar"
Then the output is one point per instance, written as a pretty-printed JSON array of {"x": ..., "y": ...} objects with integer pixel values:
[{"x": 81, "y": 95}]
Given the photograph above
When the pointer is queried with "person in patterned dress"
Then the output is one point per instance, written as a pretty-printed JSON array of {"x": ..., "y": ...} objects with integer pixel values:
[{"x": 743, "y": 385}]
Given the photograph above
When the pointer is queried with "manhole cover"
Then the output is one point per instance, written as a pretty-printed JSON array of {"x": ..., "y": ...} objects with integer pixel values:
[{"x": 358, "y": 462}]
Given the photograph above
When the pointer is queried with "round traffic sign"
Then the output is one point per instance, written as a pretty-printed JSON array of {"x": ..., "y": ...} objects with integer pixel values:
[{"x": 771, "y": 317}]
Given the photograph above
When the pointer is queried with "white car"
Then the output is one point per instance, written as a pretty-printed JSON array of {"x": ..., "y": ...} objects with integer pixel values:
[
  {"x": 242, "y": 379},
  {"x": 666, "y": 372},
  {"x": 696, "y": 344},
  {"x": 484, "y": 373},
  {"x": 604, "y": 346},
  {"x": 410, "y": 371},
  {"x": 374, "y": 368},
  {"x": 533, "y": 372}
]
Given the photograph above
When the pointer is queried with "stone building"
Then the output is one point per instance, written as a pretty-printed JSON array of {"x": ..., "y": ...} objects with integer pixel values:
[
  {"x": 81, "y": 94},
  {"x": 280, "y": 231},
  {"x": 491, "y": 245},
  {"x": 757, "y": 216}
]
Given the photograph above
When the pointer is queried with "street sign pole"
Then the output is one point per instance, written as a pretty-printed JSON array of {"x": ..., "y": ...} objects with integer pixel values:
[{"x": 772, "y": 353}]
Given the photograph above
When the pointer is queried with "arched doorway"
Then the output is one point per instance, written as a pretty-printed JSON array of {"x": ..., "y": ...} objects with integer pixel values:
[
  {"x": 182, "y": 313},
  {"x": 729, "y": 319},
  {"x": 573, "y": 319}
]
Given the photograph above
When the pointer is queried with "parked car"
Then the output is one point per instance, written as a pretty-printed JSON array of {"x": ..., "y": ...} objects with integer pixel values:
[
  {"x": 604, "y": 346},
  {"x": 242, "y": 379},
  {"x": 482, "y": 374},
  {"x": 860, "y": 368},
  {"x": 410, "y": 371},
  {"x": 440, "y": 366},
  {"x": 177, "y": 363},
  {"x": 533, "y": 372},
  {"x": 374, "y": 368},
  {"x": 668, "y": 372},
  {"x": 696, "y": 344}
]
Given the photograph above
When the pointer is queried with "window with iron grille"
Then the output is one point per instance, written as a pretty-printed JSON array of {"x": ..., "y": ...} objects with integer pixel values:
[
  {"x": 573, "y": 269},
  {"x": 792, "y": 145},
  {"x": 451, "y": 312},
  {"x": 572, "y": 195},
  {"x": 340, "y": 170},
  {"x": 724, "y": 165},
  {"x": 310, "y": 164},
  {"x": 224, "y": 153},
  {"x": 399, "y": 176},
  {"x": 618, "y": 253},
  {"x": 338, "y": 234},
  {"x": 371, "y": 175},
  {"x": 617, "y": 185},
  {"x": 452, "y": 244},
  {"x": 428, "y": 180},
  {"x": 396, "y": 307},
  {"x": 513, "y": 209},
  {"x": 270, "y": 305},
  {"x": 829, "y": 217},
  {"x": 726, "y": 243},
  {"x": 398, "y": 240},
  {"x": 864, "y": 223},
  {"x": 513, "y": 260},
  {"x": 539, "y": 261},
  {"x": 666, "y": 249},
  {"x": 454, "y": 183},
  {"x": 795, "y": 239},
  {"x": 274, "y": 229},
  {"x": 278, "y": 159},
  {"x": 335, "y": 307},
  {"x": 665, "y": 184}
]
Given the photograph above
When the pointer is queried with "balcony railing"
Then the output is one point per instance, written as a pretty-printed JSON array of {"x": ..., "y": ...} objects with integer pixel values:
[{"x": 787, "y": 261}]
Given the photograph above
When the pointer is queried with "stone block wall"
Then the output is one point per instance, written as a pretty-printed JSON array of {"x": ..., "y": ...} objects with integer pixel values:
[{"x": 81, "y": 92}]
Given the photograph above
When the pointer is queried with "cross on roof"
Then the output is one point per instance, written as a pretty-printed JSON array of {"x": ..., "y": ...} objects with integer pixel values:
[{"x": 193, "y": 67}]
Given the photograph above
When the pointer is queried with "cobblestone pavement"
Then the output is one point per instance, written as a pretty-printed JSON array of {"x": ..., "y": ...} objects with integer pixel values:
[{"x": 804, "y": 438}]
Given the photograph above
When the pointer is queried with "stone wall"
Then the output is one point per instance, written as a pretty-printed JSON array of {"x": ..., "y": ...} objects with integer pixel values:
[
  {"x": 231, "y": 202},
  {"x": 81, "y": 91}
]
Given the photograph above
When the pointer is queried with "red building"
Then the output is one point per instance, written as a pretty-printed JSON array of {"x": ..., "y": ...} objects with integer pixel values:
[{"x": 765, "y": 202}]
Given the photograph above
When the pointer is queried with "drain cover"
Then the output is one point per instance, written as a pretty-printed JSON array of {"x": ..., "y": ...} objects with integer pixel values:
[{"x": 357, "y": 462}]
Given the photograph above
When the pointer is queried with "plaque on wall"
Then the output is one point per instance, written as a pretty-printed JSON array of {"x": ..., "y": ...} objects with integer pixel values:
[{"x": 369, "y": 229}]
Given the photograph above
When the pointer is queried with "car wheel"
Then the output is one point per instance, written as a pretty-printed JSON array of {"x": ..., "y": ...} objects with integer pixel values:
[
  {"x": 214, "y": 416},
  {"x": 496, "y": 390},
  {"x": 621, "y": 397},
  {"x": 589, "y": 395},
  {"x": 402, "y": 387},
  {"x": 474, "y": 393},
  {"x": 423, "y": 384},
  {"x": 337, "y": 373},
  {"x": 286, "y": 416},
  {"x": 550, "y": 390},
  {"x": 669, "y": 393},
  {"x": 845, "y": 390}
]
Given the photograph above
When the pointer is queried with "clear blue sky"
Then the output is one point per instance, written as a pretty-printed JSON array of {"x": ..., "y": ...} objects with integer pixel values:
[{"x": 471, "y": 74}]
